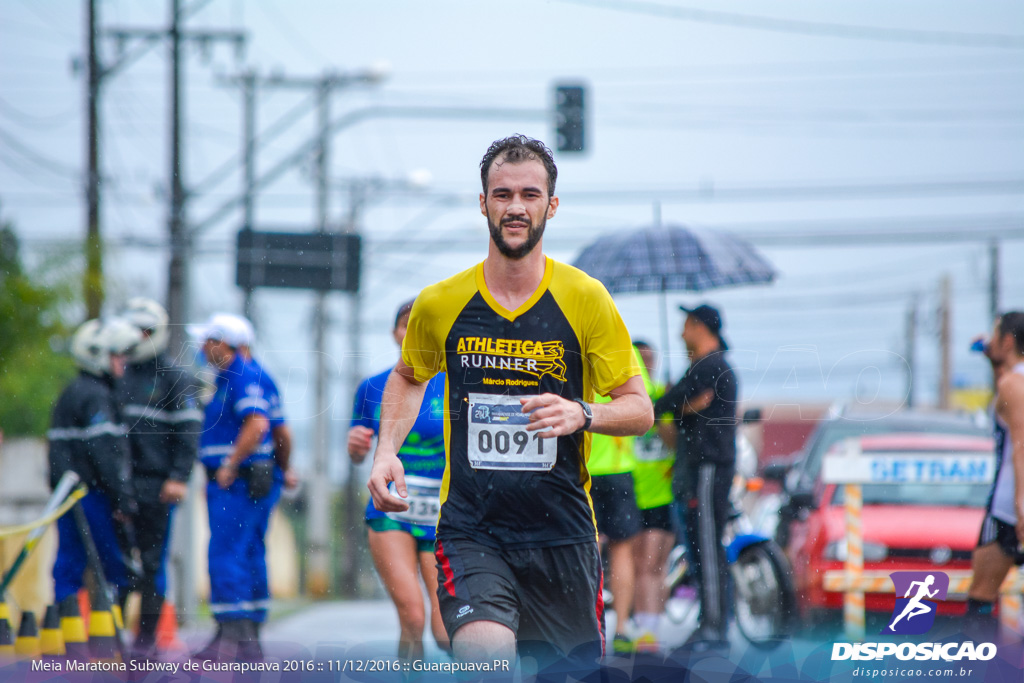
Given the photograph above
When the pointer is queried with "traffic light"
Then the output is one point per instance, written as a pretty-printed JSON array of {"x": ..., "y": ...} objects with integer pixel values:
[{"x": 569, "y": 118}]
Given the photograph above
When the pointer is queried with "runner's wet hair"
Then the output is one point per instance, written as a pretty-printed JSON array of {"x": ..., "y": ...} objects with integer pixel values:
[
  {"x": 1012, "y": 323},
  {"x": 403, "y": 310},
  {"x": 516, "y": 149}
]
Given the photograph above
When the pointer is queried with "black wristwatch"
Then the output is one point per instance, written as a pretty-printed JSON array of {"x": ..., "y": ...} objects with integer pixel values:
[{"x": 588, "y": 414}]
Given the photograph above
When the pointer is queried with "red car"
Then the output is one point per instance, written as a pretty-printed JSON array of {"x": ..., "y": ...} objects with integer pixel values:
[{"x": 906, "y": 526}]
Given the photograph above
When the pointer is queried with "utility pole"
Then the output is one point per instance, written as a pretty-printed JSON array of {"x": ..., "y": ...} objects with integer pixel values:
[
  {"x": 93, "y": 284},
  {"x": 318, "y": 530},
  {"x": 994, "y": 276},
  {"x": 349, "y": 583},
  {"x": 248, "y": 82},
  {"x": 318, "y": 536},
  {"x": 911, "y": 348},
  {"x": 97, "y": 72},
  {"x": 185, "y": 547},
  {"x": 360, "y": 191},
  {"x": 318, "y": 562},
  {"x": 180, "y": 239},
  {"x": 177, "y": 275},
  {"x": 945, "y": 341}
]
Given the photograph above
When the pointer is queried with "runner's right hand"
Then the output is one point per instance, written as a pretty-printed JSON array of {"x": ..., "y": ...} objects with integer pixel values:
[
  {"x": 386, "y": 469},
  {"x": 359, "y": 440}
]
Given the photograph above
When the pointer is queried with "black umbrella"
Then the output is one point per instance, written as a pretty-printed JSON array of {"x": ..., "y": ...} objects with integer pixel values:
[{"x": 672, "y": 258}]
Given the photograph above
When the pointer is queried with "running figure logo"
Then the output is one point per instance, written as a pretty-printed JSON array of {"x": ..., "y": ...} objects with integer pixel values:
[{"x": 914, "y": 613}]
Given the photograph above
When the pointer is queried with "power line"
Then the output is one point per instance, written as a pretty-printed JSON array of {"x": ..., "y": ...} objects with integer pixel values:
[
  {"x": 721, "y": 73},
  {"x": 34, "y": 121},
  {"x": 38, "y": 159},
  {"x": 809, "y": 28},
  {"x": 272, "y": 132},
  {"x": 279, "y": 21},
  {"x": 848, "y": 115},
  {"x": 357, "y": 116}
]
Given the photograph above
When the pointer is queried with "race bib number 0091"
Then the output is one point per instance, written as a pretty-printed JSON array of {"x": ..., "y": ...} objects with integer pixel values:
[
  {"x": 424, "y": 498},
  {"x": 498, "y": 439}
]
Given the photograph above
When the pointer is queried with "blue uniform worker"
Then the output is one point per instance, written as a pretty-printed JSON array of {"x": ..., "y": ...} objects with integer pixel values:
[{"x": 237, "y": 452}]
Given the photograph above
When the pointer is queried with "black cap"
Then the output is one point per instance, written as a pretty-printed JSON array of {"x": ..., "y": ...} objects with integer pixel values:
[{"x": 710, "y": 318}]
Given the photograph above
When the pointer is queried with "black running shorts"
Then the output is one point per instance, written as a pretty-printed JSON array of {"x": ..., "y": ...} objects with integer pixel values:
[
  {"x": 997, "y": 531},
  {"x": 658, "y": 518},
  {"x": 550, "y": 597}
]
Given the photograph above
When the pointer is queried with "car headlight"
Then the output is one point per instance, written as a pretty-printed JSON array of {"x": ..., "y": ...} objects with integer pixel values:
[{"x": 873, "y": 552}]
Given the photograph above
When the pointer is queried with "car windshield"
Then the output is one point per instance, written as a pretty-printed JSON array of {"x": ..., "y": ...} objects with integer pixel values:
[
  {"x": 946, "y": 495},
  {"x": 832, "y": 432}
]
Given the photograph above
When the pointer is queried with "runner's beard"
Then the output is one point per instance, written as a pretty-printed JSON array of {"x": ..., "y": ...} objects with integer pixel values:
[{"x": 533, "y": 236}]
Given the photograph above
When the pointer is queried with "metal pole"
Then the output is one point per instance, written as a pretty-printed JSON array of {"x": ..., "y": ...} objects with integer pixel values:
[
  {"x": 945, "y": 342},
  {"x": 106, "y": 596},
  {"x": 665, "y": 355},
  {"x": 350, "y": 575},
  {"x": 911, "y": 349},
  {"x": 177, "y": 273},
  {"x": 177, "y": 307},
  {"x": 318, "y": 557},
  {"x": 93, "y": 284},
  {"x": 853, "y": 600},
  {"x": 249, "y": 168}
]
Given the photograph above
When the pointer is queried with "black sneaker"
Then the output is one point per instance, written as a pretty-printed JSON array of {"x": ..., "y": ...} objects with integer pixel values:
[{"x": 249, "y": 648}]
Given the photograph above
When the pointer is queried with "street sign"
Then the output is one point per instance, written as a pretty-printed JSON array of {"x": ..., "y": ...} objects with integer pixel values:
[
  {"x": 298, "y": 260},
  {"x": 909, "y": 468}
]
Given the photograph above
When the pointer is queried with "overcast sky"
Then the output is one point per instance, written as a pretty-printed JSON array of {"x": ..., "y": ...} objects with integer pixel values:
[{"x": 682, "y": 96}]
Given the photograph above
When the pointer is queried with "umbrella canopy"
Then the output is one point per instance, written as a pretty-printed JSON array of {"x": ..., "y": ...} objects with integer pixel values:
[{"x": 672, "y": 258}]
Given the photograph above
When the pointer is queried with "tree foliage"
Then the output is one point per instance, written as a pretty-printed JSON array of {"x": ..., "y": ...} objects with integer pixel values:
[{"x": 32, "y": 369}]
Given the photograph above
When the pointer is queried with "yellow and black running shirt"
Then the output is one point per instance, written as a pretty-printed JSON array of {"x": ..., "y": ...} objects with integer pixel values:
[{"x": 504, "y": 486}]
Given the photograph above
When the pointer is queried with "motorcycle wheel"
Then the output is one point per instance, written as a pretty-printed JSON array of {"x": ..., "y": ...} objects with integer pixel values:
[{"x": 764, "y": 595}]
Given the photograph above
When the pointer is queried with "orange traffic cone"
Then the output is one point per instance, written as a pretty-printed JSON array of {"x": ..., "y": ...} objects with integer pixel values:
[
  {"x": 167, "y": 629},
  {"x": 84, "y": 608}
]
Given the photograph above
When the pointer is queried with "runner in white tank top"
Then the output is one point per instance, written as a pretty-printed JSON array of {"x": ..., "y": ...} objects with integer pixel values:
[
  {"x": 1001, "y": 542},
  {"x": 1002, "y": 506}
]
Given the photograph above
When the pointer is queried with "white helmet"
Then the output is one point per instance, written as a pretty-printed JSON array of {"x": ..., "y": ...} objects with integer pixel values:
[
  {"x": 89, "y": 349},
  {"x": 121, "y": 336},
  {"x": 94, "y": 342},
  {"x": 151, "y": 318}
]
